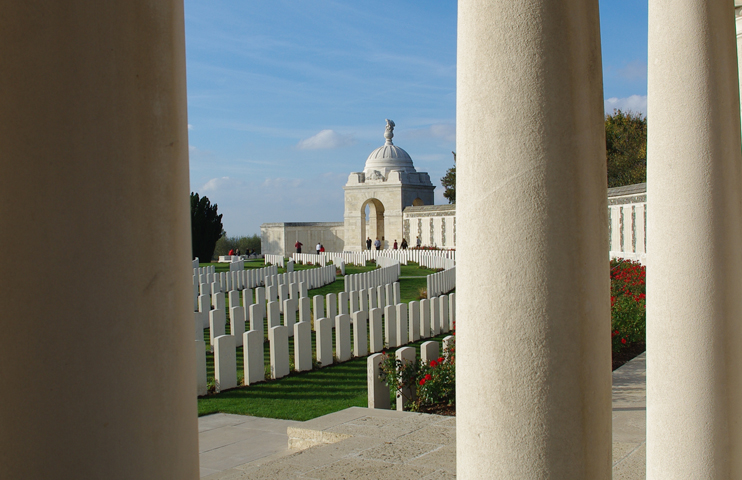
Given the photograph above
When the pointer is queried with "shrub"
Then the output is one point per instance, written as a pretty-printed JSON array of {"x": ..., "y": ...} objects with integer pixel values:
[{"x": 628, "y": 303}]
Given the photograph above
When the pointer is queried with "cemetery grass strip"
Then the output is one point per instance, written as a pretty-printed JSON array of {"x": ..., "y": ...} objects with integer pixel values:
[
  {"x": 300, "y": 396},
  {"x": 307, "y": 395}
]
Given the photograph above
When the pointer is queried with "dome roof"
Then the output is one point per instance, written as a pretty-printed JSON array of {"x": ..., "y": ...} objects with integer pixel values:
[{"x": 388, "y": 157}]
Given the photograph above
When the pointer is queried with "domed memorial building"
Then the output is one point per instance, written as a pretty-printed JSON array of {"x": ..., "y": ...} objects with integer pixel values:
[
  {"x": 389, "y": 200},
  {"x": 375, "y": 198}
]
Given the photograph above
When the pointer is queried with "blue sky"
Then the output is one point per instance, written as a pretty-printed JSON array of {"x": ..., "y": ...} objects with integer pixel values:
[{"x": 286, "y": 98}]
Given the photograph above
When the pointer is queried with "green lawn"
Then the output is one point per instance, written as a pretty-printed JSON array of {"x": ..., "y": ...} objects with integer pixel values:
[{"x": 302, "y": 396}]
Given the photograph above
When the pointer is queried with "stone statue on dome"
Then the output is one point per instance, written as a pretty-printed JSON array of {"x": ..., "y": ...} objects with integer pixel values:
[{"x": 389, "y": 133}]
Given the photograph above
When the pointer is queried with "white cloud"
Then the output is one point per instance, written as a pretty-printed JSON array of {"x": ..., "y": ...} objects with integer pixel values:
[
  {"x": 634, "y": 103},
  {"x": 326, "y": 139},
  {"x": 190, "y": 127},
  {"x": 282, "y": 183},
  {"x": 219, "y": 184}
]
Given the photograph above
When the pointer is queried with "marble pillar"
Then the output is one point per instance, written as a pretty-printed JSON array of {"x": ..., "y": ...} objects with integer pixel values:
[
  {"x": 694, "y": 284},
  {"x": 94, "y": 141},
  {"x": 533, "y": 344}
]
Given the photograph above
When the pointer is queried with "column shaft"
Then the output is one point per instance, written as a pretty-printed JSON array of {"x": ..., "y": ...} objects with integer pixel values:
[
  {"x": 694, "y": 309},
  {"x": 97, "y": 365},
  {"x": 533, "y": 320}
]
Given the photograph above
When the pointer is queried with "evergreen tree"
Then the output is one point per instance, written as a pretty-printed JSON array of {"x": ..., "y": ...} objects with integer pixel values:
[
  {"x": 449, "y": 182},
  {"x": 206, "y": 227},
  {"x": 626, "y": 148}
]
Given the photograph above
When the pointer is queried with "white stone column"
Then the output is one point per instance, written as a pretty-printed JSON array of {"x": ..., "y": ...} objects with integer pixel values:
[
  {"x": 533, "y": 344},
  {"x": 738, "y": 31},
  {"x": 694, "y": 289}
]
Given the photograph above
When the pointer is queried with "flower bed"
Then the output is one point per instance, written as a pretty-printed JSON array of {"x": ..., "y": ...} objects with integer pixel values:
[
  {"x": 628, "y": 304},
  {"x": 431, "y": 387}
]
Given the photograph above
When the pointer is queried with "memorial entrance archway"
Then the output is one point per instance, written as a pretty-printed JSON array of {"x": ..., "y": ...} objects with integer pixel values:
[{"x": 372, "y": 220}]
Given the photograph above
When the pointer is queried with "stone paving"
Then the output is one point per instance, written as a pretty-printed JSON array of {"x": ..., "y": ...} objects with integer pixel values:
[{"x": 361, "y": 443}]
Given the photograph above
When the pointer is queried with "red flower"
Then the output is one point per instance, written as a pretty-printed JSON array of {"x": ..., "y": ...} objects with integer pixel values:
[
  {"x": 440, "y": 359},
  {"x": 422, "y": 382},
  {"x": 623, "y": 340},
  {"x": 433, "y": 363},
  {"x": 428, "y": 377}
]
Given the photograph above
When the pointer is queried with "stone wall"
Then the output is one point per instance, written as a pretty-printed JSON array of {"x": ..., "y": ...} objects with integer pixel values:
[
  {"x": 279, "y": 238},
  {"x": 627, "y": 222},
  {"x": 434, "y": 224}
]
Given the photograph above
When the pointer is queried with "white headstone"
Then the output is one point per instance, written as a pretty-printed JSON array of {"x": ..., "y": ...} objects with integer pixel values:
[
  {"x": 256, "y": 318},
  {"x": 290, "y": 307},
  {"x": 425, "y": 318},
  {"x": 397, "y": 293},
  {"x": 305, "y": 312},
  {"x": 355, "y": 304},
  {"x": 260, "y": 300},
  {"x": 429, "y": 351},
  {"x": 343, "y": 303},
  {"x": 413, "y": 313},
  {"x": 405, "y": 354},
  {"x": 332, "y": 306},
  {"x": 217, "y": 324},
  {"x": 237, "y": 324},
  {"x": 452, "y": 309},
  {"x": 402, "y": 329},
  {"x": 343, "y": 350},
  {"x": 435, "y": 316},
  {"x": 376, "y": 331},
  {"x": 253, "y": 359},
  {"x": 234, "y": 298},
  {"x": 274, "y": 315},
  {"x": 324, "y": 341},
  {"x": 372, "y": 298},
  {"x": 443, "y": 312},
  {"x": 201, "y": 385},
  {"x": 225, "y": 362},
  {"x": 390, "y": 326},
  {"x": 217, "y": 301},
  {"x": 302, "y": 346},
  {"x": 378, "y": 392},
  {"x": 279, "y": 351},
  {"x": 360, "y": 333},
  {"x": 319, "y": 308}
]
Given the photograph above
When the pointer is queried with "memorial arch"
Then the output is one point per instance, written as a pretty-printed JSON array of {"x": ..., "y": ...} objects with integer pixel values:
[
  {"x": 372, "y": 220},
  {"x": 387, "y": 184}
]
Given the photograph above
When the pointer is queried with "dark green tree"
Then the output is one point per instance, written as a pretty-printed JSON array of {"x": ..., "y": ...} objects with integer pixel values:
[
  {"x": 626, "y": 148},
  {"x": 206, "y": 227},
  {"x": 449, "y": 182}
]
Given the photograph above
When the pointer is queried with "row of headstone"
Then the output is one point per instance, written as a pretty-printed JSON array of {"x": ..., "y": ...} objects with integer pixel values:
[
  {"x": 426, "y": 258},
  {"x": 402, "y": 323},
  {"x": 278, "y": 290},
  {"x": 310, "y": 258},
  {"x": 378, "y": 391},
  {"x": 273, "y": 259},
  {"x": 374, "y": 278},
  {"x": 207, "y": 282},
  {"x": 236, "y": 265},
  {"x": 441, "y": 282}
]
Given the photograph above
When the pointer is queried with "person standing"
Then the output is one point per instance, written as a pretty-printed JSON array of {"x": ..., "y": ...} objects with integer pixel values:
[
  {"x": 404, "y": 244},
  {"x": 418, "y": 241},
  {"x": 395, "y": 244},
  {"x": 377, "y": 244},
  {"x": 368, "y": 243},
  {"x": 298, "y": 245},
  {"x": 318, "y": 247},
  {"x": 321, "y": 248}
]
